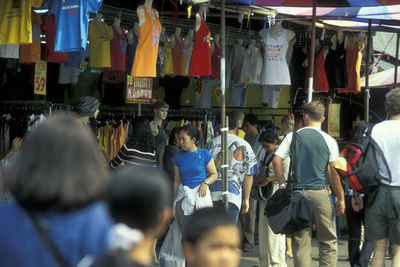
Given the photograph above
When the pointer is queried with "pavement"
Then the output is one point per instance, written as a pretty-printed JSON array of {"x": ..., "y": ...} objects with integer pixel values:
[{"x": 250, "y": 259}]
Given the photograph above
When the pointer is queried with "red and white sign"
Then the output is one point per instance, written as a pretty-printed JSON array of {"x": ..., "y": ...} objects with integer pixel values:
[{"x": 139, "y": 90}]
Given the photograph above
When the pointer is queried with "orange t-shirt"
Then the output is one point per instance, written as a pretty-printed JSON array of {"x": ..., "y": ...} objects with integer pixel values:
[
  {"x": 29, "y": 53},
  {"x": 147, "y": 48}
]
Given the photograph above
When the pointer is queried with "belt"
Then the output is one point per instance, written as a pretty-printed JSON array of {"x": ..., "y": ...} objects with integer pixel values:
[{"x": 312, "y": 189}]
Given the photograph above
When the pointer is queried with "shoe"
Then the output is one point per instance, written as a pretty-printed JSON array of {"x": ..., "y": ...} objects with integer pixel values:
[{"x": 247, "y": 248}]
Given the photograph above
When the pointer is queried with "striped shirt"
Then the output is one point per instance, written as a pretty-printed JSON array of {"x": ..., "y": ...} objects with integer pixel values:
[{"x": 134, "y": 156}]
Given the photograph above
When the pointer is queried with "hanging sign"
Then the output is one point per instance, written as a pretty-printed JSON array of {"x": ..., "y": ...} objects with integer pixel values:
[
  {"x": 334, "y": 120},
  {"x": 40, "y": 78},
  {"x": 138, "y": 90}
]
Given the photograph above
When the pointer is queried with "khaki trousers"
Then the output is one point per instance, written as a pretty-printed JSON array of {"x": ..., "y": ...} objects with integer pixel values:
[
  {"x": 324, "y": 219},
  {"x": 272, "y": 246}
]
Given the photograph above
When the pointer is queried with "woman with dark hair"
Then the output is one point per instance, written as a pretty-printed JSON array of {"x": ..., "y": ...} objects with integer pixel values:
[
  {"x": 194, "y": 171},
  {"x": 56, "y": 180},
  {"x": 169, "y": 152},
  {"x": 272, "y": 246},
  {"x": 140, "y": 148}
]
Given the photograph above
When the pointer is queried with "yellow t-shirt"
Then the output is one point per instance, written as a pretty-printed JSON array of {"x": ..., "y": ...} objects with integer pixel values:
[
  {"x": 240, "y": 133},
  {"x": 15, "y": 21},
  {"x": 99, "y": 44}
]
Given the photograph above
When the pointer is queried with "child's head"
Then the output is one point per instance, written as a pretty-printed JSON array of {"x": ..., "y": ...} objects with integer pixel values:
[{"x": 211, "y": 239}]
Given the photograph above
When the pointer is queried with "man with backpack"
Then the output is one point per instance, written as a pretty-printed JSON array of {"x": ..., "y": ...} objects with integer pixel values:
[
  {"x": 315, "y": 156},
  {"x": 383, "y": 204}
]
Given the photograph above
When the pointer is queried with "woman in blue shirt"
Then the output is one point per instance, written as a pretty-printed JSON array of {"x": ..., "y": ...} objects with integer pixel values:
[{"x": 194, "y": 169}]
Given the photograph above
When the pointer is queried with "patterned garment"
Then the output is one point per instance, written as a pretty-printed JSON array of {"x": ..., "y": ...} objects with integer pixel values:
[{"x": 242, "y": 161}]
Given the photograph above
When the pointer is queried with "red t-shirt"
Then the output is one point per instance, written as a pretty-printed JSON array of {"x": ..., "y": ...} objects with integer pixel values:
[
  {"x": 200, "y": 64},
  {"x": 49, "y": 26},
  {"x": 118, "y": 46}
]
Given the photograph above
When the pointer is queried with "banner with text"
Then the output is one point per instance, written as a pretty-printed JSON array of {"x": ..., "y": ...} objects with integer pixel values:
[
  {"x": 138, "y": 90},
  {"x": 40, "y": 78},
  {"x": 334, "y": 120}
]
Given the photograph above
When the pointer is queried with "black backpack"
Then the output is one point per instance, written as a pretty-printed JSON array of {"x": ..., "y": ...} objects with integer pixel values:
[{"x": 362, "y": 165}]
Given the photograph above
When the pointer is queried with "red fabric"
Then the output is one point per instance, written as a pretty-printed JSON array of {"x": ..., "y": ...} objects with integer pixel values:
[
  {"x": 200, "y": 65},
  {"x": 28, "y": 53},
  {"x": 216, "y": 63},
  {"x": 320, "y": 82},
  {"x": 118, "y": 45},
  {"x": 49, "y": 26}
]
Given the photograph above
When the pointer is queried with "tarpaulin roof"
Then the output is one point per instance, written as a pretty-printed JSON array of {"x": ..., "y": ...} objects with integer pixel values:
[
  {"x": 321, "y": 3},
  {"x": 382, "y": 79}
]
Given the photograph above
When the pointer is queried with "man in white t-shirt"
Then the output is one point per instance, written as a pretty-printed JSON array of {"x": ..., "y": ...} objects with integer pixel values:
[{"x": 383, "y": 211}]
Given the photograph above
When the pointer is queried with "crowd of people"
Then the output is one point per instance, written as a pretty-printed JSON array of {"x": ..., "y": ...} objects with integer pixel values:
[{"x": 73, "y": 206}]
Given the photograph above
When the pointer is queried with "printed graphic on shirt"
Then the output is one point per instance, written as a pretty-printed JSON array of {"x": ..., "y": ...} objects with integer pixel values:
[
  {"x": 155, "y": 34},
  {"x": 274, "y": 53}
]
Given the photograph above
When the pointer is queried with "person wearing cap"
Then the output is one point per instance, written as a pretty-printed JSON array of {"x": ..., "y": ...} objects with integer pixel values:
[{"x": 87, "y": 107}]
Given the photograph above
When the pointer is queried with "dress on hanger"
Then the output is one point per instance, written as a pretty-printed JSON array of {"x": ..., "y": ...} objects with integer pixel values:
[
  {"x": 200, "y": 64},
  {"x": 178, "y": 54},
  {"x": 353, "y": 66},
  {"x": 320, "y": 82},
  {"x": 216, "y": 63}
]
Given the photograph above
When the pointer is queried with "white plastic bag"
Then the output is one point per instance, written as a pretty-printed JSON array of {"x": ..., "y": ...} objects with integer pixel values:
[{"x": 171, "y": 252}]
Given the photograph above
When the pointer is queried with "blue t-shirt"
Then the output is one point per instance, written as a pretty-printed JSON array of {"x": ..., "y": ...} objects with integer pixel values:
[
  {"x": 72, "y": 20},
  {"x": 76, "y": 234},
  {"x": 192, "y": 166}
]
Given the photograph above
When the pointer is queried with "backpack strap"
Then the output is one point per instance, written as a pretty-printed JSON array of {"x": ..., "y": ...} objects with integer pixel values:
[
  {"x": 380, "y": 152},
  {"x": 292, "y": 166}
]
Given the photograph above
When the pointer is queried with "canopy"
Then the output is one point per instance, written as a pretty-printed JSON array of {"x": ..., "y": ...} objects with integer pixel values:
[
  {"x": 382, "y": 79},
  {"x": 321, "y": 3}
]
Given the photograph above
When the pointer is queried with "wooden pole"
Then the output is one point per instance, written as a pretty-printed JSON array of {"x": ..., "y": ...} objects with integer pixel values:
[
  {"x": 366, "y": 90},
  {"x": 312, "y": 56}
]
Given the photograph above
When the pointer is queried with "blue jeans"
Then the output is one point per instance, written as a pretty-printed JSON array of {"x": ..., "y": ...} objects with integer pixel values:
[{"x": 233, "y": 210}]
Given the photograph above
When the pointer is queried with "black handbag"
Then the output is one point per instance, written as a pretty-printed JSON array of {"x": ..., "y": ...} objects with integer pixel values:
[
  {"x": 265, "y": 192},
  {"x": 289, "y": 211}
]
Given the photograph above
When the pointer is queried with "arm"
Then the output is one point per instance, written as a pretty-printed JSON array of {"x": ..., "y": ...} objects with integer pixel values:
[
  {"x": 212, "y": 177},
  {"x": 116, "y": 162},
  {"x": 334, "y": 181},
  {"x": 247, "y": 183},
  {"x": 15, "y": 146},
  {"x": 278, "y": 169},
  {"x": 177, "y": 179}
]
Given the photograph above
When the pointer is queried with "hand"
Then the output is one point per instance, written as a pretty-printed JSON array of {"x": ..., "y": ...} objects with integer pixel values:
[
  {"x": 340, "y": 206},
  {"x": 356, "y": 203},
  {"x": 264, "y": 182},
  {"x": 203, "y": 190},
  {"x": 245, "y": 206},
  {"x": 16, "y": 144}
]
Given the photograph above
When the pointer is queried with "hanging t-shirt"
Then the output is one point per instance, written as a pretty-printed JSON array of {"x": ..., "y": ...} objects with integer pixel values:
[
  {"x": 15, "y": 21},
  {"x": 271, "y": 96},
  {"x": 145, "y": 64},
  {"x": 29, "y": 53},
  {"x": 49, "y": 26},
  {"x": 68, "y": 75},
  {"x": 204, "y": 93},
  {"x": 72, "y": 20},
  {"x": 168, "y": 60},
  {"x": 238, "y": 95},
  {"x": 178, "y": 53},
  {"x": 216, "y": 63},
  {"x": 252, "y": 65},
  {"x": 188, "y": 54},
  {"x": 99, "y": 41},
  {"x": 130, "y": 53},
  {"x": 275, "y": 70},
  {"x": 118, "y": 47},
  {"x": 200, "y": 64},
  {"x": 320, "y": 82},
  {"x": 9, "y": 51},
  {"x": 236, "y": 62}
]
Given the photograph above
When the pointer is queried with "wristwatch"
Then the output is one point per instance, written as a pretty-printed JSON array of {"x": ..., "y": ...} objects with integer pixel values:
[{"x": 206, "y": 181}]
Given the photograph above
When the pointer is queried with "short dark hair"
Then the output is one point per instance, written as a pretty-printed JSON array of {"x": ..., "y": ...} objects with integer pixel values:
[
  {"x": 192, "y": 132},
  {"x": 204, "y": 220},
  {"x": 392, "y": 103},
  {"x": 59, "y": 167},
  {"x": 251, "y": 118},
  {"x": 137, "y": 195},
  {"x": 315, "y": 110},
  {"x": 175, "y": 130},
  {"x": 160, "y": 104},
  {"x": 141, "y": 135},
  {"x": 269, "y": 136}
]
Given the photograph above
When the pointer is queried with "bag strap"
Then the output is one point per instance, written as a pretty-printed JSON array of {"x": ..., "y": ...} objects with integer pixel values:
[
  {"x": 292, "y": 161},
  {"x": 51, "y": 247},
  {"x": 380, "y": 152}
]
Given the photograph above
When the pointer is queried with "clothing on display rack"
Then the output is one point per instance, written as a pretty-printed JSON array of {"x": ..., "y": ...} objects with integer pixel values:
[
  {"x": 353, "y": 66},
  {"x": 335, "y": 66},
  {"x": 99, "y": 41},
  {"x": 238, "y": 95},
  {"x": 275, "y": 70},
  {"x": 188, "y": 52},
  {"x": 17, "y": 28},
  {"x": 216, "y": 62},
  {"x": 178, "y": 54},
  {"x": 200, "y": 64},
  {"x": 147, "y": 48},
  {"x": 68, "y": 75},
  {"x": 130, "y": 53},
  {"x": 236, "y": 62},
  {"x": 49, "y": 26},
  {"x": 252, "y": 65},
  {"x": 118, "y": 46},
  {"x": 168, "y": 60},
  {"x": 320, "y": 82},
  {"x": 9, "y": 51},
  {"x": 31, "y": 53},
  {"x": 271, "y": 96}
]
